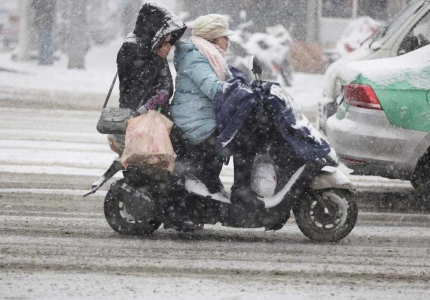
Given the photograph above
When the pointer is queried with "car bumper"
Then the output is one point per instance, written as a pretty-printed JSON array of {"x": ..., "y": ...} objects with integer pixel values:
[{"x": 368, "y": 144}]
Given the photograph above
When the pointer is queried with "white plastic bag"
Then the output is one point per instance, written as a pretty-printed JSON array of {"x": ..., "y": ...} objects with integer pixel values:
[{"x": 263, "y": 177}]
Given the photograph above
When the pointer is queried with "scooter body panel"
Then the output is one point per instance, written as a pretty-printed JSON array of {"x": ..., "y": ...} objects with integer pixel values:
[{"x": 331, "y": 178}]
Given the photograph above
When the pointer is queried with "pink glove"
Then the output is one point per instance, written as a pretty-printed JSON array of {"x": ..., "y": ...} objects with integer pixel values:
[{"x": 158, "y": 100}]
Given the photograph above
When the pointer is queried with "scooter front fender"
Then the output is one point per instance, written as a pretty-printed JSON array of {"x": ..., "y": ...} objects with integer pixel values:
[
  {"x": 114, "y": 168},
  {"x": 330, "y": 178}
]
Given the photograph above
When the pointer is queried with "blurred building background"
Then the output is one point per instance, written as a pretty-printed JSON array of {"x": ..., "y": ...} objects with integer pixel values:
[
  {"x": 314, "y": 25},
  {"x": 334, "y": 14},
  {"x": 27, "y": 29},
  {"x": 307, "y": 20}
]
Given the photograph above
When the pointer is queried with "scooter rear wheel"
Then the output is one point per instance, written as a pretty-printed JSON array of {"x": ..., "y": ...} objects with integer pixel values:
[
  {"x": 329, "y": 219},
  {"x": 124, "y": 223}
]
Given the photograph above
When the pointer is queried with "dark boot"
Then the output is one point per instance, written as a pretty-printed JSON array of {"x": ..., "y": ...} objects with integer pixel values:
[
  {"x": 214, "y": 185},
  {"x": 176, "y": 214},
  {"x": 174, "y": 208},
  {"x": 245, "y": 196}
]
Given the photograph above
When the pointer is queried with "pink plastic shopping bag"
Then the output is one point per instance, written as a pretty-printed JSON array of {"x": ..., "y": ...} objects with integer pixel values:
[{"x": 147, "y": 142}]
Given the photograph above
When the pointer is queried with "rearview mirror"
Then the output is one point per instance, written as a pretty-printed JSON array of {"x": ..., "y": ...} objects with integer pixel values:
[{"x": 255, "y": 67}]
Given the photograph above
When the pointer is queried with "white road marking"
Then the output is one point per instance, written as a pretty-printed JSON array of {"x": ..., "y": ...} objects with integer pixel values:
[
  {"x": 50, "y": 192},
  {"x": 54, "y": 145},
  {"x": 55, "y": 213},
  {"x": 53, "y": 170},
  {"x": 65, "y": 142}
]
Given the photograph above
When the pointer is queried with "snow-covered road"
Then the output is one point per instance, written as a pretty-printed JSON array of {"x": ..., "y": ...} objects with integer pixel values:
[
  {"x": 60, "y": 247},
  {"x": 54, "y": 244}
]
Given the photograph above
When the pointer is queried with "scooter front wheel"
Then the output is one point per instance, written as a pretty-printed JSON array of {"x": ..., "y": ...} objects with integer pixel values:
[
  {"x": 120, "y": 220},
  {"x": 327, "y": 215}
]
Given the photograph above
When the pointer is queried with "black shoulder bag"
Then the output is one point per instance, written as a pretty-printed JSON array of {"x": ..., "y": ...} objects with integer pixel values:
[{"x": 113, "y": 120}]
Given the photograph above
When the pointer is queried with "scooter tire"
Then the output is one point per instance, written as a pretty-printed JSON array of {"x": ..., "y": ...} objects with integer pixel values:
[
  {"x": 321, "y": 227},
  {"x": 116, "y": 216}
]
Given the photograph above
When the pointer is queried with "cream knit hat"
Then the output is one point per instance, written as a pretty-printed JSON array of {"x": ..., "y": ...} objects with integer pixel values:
[{"x": 210, "y": 27}]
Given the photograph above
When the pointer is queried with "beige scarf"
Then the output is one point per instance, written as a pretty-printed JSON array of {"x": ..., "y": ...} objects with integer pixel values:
[{"x": 215, "y": 56}]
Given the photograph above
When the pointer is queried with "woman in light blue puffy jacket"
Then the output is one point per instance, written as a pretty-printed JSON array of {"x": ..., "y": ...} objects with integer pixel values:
[{"x": 201, "y": 73}]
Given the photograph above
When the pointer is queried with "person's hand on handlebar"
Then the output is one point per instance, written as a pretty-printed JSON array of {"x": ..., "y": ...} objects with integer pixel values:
[{"x": 264, "y": 85}]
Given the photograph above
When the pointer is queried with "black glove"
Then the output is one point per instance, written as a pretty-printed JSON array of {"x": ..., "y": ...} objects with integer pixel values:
[
  {"x": 256, "y": 83},
  {"x": 266, "y": 86},
  {"x": 263, "y": 85}
]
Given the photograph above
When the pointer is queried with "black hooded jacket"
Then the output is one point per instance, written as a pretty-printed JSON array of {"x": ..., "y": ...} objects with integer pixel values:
[{"x": 141, "y": 72}]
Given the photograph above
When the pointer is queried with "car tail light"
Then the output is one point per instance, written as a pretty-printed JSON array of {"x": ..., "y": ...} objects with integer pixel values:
[
  {"x": 353, "y": 160},
  {"x": 361, "y": 95}
]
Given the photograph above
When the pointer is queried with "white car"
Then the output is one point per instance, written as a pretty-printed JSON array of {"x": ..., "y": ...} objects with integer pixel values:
[
  {"x": 382, "y": 124},
  {"x": 402, "y": 35}
]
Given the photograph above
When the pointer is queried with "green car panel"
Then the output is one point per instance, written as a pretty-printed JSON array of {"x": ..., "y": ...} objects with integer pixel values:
[{"x": 404, "y": 105}]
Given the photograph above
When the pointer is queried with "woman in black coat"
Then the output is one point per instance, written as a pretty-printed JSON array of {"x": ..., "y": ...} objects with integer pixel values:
[
  {"x": 145, "y": 81},
  {"x": 143, "y": 69}
]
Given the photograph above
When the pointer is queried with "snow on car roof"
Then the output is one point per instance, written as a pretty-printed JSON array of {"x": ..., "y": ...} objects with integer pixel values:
[
  {"x": 356, "y": 32},
  {"x": 386, "y": 71}
]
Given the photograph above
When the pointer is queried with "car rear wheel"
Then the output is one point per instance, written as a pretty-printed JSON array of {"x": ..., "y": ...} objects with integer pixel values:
[{"x": 421, "y": 178}]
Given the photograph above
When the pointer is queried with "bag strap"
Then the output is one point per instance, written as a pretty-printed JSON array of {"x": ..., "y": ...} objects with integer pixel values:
[
  {"x": 140, "y": 103},
  {"x": 110, "y": 90}
]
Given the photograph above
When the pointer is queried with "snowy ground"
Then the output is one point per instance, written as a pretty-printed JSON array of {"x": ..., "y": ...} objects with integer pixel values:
[{"x": 60, "y": 247}]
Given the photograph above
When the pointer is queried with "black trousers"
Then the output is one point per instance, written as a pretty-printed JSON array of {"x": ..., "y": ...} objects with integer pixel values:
[
  {"x": 200, "y": 160},
  {"x": 243, "y": 159},
  {"x": 206, "y": 164}
]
